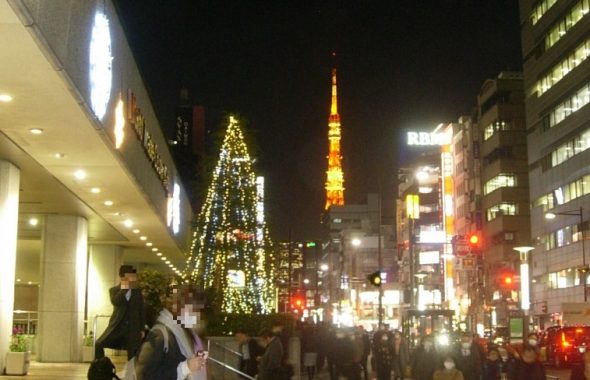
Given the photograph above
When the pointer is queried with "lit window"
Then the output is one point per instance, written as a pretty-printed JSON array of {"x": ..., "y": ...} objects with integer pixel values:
[
  {"x": 559, "y": 71},
  {"x": 540, "y": 9},
  {"x": 576, "y": 13},
  {"x": 501, "y": 180},
  {"x": 578, "y": 100},
  {"x": 494, "y": 128},
  {"x": 571, "y": 148},
  {"x": 505, "y": 208}
]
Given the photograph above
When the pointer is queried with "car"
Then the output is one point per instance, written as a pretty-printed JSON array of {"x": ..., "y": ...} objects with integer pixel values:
[{"x": 564, "y": 345}]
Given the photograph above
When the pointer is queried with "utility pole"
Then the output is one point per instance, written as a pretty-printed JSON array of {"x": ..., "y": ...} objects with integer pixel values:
[
  {"x": 289, "y": 266},
  {"x": 380, "y": 257}
]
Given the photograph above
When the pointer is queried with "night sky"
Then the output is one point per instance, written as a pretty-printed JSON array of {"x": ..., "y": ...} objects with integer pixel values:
[{"x": 401, "y": 65}]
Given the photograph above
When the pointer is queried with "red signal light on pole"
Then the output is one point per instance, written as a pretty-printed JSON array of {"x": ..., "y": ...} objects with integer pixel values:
[{"x": 474, "y": 240}]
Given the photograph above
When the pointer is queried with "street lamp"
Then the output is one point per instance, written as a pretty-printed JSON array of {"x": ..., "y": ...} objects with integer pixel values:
[
  {"x": 356, "y": 242},
  {"x": 584, "y": 269}
]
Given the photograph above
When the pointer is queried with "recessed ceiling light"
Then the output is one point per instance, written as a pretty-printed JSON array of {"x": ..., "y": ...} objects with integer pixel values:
[
  {"x": 5, "y": 98},
  {"x": 18, "y": 280},
  {"x": 155, "y": 249},
  {"x": 136, "y": 231},
  {"x": 80, "y": 174},
  {"x": 36, "y": 131},
  {"x": 170, "y": 265},
  {"x": 59, "y": 155},
  {"x": 167, "y": 261},
  {"x": 159, "y": 254},
  {"x": 142, "y": 238},
  {"x": 95, "y": 190},
  {"x": 33, "y": 221},
  {"x": 163, "y": 258},
  {"x": 128, "y": 223},
  {"x": 29, "y": 283},
  {"x": 108, "y": 203},
  {"x": 148, "y": 244}
]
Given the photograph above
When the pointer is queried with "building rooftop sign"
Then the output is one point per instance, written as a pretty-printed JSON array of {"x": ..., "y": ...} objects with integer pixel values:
[{"x": 430, "y": 138}]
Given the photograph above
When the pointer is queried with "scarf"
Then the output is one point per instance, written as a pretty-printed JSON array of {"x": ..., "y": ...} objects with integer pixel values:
[{"x": 186, "y": 348}]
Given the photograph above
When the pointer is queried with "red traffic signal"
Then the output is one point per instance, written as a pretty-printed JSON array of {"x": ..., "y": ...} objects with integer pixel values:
[
  {"x": 474, "y": 240},
  {"x": 298, "y": 303},
  {"x": 507, "y": 279}
]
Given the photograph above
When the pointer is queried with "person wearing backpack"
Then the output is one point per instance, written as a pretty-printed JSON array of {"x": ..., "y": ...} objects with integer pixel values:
[{"x": 172, "y": 349}]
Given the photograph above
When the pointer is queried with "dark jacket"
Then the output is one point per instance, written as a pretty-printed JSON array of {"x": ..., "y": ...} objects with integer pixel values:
[
  {"x": 470, "y": 365},
  {"x": 530, "y": 371},
  {"x": 250, "y": 366},
  {"x": 129, "y": 315},
  {"x": 424, "y": 363},
  {"x": 578, "y": 372},
  {"x": 153, "y": 363},
  {"x": 271, "y": 362},
  {"x": 492, "y": 370}
]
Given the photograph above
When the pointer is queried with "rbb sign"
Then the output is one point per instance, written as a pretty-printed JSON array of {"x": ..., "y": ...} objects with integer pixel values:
[{"x": 427, "y": 139}]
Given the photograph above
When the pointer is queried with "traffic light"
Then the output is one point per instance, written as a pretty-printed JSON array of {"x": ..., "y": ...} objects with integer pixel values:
[
  {"x": 474, "y": 241},
  {"x": 375, "y": 278},
  {"x": 507, "y": 279},
  {"x": 298, "y": 303}
]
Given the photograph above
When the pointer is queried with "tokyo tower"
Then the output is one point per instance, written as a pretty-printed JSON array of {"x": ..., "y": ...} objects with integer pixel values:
[{"x": 334, "y": 175}]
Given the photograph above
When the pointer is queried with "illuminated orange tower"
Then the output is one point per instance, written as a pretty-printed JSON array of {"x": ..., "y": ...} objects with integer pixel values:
[{"x": 334, "y": 175}]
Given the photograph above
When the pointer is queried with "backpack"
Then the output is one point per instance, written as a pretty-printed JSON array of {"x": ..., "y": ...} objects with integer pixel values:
[
  {"x": 130, "y": 366},
  {"x": 102, "y": 369}
]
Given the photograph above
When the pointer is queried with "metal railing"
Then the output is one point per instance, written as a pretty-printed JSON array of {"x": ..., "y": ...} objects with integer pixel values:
[
  {"x": 28, "y": 324},
  {"x": 225, "y": 365},
  {"x": 94, "y": 326}
]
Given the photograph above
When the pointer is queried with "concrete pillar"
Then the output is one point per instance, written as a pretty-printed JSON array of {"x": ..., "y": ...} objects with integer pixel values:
[
  {"x": 63, "y": 288},
  {"x": 103, "y": 274},
  {"x": 9, "y": 192}
]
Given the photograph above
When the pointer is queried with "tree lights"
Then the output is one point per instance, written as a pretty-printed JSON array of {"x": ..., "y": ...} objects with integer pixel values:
[{"x": 228, "y": 254}]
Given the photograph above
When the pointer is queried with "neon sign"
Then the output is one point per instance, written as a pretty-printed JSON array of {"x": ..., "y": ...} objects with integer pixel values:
[
  {"x": 101, "y": 70},
  {"x": 428, "y": 139}
]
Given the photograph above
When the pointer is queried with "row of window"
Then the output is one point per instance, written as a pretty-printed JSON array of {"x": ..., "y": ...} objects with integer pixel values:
[
  {"x": 564, "y": 279},
  {"x": 562, "y": 237},
  {"x": 501, "y": 180},
  {"x": 570, "y": 148},
  {"x": 578, "y": 11},
  {"x": 540, "y": 9},
  {"x": 578, "y": 100},
  {"x": 504, "y": 208},
  {"x": 494, "y": 128},
  {"x": 564, "y": 194},
  {"x": 559, "y": 71}
]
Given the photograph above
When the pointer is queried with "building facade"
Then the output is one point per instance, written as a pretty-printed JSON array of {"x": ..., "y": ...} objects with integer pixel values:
[
  {"x": 556, "y": 52},
  {"x": 87, "y": 180}
]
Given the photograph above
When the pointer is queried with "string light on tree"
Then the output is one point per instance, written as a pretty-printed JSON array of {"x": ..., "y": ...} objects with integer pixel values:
[{"x": 231, "y": 252}]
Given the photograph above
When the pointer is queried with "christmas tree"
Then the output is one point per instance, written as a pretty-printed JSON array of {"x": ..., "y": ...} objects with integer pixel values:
[{"x": 230, "y": 252}]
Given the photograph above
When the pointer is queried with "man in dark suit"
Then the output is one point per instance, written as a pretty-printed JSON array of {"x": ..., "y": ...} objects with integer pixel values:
[
  {"x": 126, "y": 327},
  {"x": 250, "y": 350},
  {"x": 271, "y": 362}
]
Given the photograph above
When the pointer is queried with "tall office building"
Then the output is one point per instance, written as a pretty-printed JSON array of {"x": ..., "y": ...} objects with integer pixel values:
[
  {"x": 556, "y": 51},
  {"x": 504, "y": 202}
]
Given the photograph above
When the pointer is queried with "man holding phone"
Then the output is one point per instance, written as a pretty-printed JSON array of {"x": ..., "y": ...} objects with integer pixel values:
[{"x": 126, "y": 327}]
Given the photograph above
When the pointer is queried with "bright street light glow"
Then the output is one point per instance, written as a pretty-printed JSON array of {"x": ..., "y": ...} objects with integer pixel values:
[{"x": 324, "y": 267}]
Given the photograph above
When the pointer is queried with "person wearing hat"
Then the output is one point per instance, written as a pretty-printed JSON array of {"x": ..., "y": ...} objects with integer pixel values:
[{"x": 126, "y": 326}]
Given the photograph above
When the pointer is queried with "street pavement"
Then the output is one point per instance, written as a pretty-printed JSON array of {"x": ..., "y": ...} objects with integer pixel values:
[{"x": 78, "y": 371}]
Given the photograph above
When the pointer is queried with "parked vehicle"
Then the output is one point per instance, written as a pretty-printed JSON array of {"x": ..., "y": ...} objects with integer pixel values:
[{"x": 564, "y": 345}]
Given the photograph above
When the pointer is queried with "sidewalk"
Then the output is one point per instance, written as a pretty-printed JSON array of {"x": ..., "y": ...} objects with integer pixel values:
[{"x": 63, "y": 371}]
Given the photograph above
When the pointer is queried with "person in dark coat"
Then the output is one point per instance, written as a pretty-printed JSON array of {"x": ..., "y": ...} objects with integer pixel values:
[
  {"x": 425, "y": 360},
  {"x": 250, "y": 350},
  {"x": 401, "y": 356},
  {"x": 126, "y": 327},
  {"x": 492, "y": 367},
  {"x": 529, "y": 367},
  {"x": 271, "y": 367},
  {"x": 366, "y": 350},
  {"x": 507, "y": 363},
  {"x": 172, "y": 349},
  {"x": 469, "y": 360},
  {"x": 383, "y": 352},
  {"x": 582, "y": 371}
]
